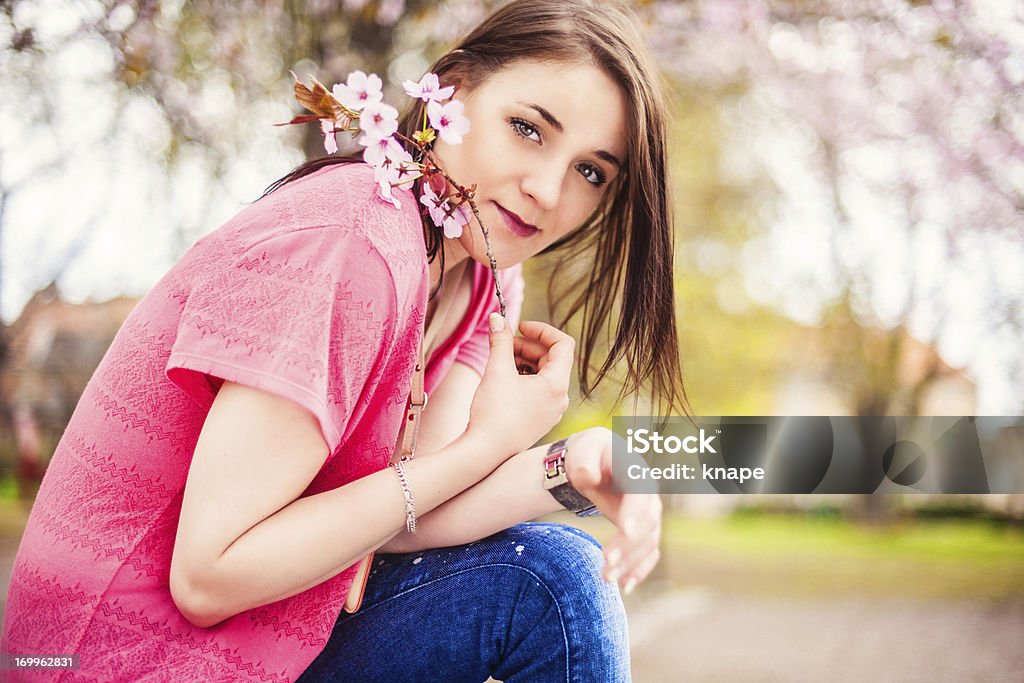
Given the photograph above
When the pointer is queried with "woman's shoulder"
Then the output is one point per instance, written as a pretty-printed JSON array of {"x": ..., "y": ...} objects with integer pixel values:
[
  {"x": 324, "y": 228},
  {"x": 337, "y": 205},
  {"x": 343, "y": 194}
]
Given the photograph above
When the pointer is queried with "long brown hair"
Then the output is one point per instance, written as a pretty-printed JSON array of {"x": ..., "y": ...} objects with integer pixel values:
[{"x": 633, "y": 220}]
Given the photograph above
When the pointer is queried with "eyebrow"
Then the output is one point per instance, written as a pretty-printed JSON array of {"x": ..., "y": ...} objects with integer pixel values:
[{"x": 557, "y": 125}]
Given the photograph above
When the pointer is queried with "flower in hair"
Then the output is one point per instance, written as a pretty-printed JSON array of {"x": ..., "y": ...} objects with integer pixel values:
[
  {"x": 356, "y": 107},
  {"x": 428, "y": 89},
  {"x": 379, "y": 151},
  {"x": 378, "y": 121},
  {"x": 448, "y": 120},
  {"x": 359, "y": 90}
]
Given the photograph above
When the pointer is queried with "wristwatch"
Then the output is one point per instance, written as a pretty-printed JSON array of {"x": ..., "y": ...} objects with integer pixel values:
[{"x": 557, "y": 483}]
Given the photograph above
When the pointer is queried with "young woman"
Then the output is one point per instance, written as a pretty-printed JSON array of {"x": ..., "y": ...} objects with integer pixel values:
[{"x": 226, "y": 472}]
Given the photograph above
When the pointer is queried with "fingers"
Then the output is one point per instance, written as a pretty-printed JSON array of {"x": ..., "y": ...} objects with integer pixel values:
[
  {"x": 639, "y": 513},
  {"x": 560, "y": 348},
  {"x": 530, "y": 351},
  {"x": 535, "y": 329},
  {"x": 533, "y": 350},
  {"x": 530, "y": 355},
  {"x": 642, "y": 568},
  {"x": 629, "y": 561},
  {"x": 632, "y": 554},
  {"x": 501, "y": 355}
]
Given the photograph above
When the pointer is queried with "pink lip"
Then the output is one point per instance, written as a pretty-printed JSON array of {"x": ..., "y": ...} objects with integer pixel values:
[{"x": 516, "y": 225}]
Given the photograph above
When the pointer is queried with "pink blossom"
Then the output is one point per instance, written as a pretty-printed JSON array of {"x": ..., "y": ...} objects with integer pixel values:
[
  {"x": 453, "y": 224},
  {"x": 436, "y": 206},
  {"x": 464, "y": 213},
  {"x": 460, "y": 218},
  {"x": 428, "y": 89},
  {"x": 405, "y": 168},
  {"x": 448, "y": 121},
  {"x": 359, "y": 91},
  {"x": 379, "y": 120},
  {"x": 396, "y": 167},
  {"x": 330, "y": 143},
  {"x": 378, "y": 151},
  {"x": 386, "y": 176},
  {"x": 442, "y": 214}
]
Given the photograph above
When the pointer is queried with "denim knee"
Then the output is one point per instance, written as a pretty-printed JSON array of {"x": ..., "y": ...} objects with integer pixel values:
[
  {"x": 566, "y": 563},
  {"x": 554, "y": 551}
]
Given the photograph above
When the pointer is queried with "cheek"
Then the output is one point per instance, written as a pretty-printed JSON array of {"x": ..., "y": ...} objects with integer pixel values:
[{"x": 579, "y": 206}]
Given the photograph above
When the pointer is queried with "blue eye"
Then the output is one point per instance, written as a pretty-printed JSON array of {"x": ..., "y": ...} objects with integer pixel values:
[
  {"x": 525, "y": 129},
  {"x": 592, "y": 174}
]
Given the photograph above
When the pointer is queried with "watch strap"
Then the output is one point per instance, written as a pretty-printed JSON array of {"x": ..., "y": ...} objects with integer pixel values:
[
  {"x": 566, "y": 495},
  {"x": 571, "y": 499}
]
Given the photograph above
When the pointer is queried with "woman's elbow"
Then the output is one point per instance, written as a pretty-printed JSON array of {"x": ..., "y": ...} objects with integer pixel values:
[{"x": 193, "y": 604}]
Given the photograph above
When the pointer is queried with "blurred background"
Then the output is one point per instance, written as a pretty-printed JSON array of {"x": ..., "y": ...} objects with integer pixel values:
[{"x": 848, "y": 179}]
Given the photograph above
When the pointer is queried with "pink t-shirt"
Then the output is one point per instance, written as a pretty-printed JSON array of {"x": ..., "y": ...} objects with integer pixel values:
[{"x": 317, "y": 293}]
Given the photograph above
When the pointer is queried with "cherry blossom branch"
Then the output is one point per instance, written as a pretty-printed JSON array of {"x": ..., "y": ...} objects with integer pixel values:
[
  {"x": 467, "y": 196},
  {"x": 359, "y": 101}
]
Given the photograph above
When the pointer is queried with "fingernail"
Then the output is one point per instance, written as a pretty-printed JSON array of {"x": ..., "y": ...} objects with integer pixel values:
[
  {"x": 613, "y": 575},
  {"x": 496, "y": 322},
  {"x": 614, "y": 555},
  {"x": 629, "y": 527},
  {"x": 630, "y": 585}
]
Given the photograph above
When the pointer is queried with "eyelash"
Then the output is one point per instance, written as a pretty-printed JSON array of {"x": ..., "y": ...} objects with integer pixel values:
[{"x": 519, "y": 126}]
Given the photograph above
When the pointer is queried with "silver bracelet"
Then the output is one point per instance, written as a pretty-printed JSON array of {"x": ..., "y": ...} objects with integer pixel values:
[{"x": 410, "y": 505}]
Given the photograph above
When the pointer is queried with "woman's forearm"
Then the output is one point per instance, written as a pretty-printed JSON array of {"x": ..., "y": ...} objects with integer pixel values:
[
  {"x": 317, "y": 537},
  {"x": 512, "y": 494}
]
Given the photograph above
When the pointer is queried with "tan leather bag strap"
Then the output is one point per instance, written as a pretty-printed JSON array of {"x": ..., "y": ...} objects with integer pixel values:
[
  {"x": 417, "y": 393},
  {"x": 417, "y": 401}
]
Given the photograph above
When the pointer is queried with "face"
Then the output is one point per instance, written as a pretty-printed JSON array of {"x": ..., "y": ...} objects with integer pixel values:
[{"x": 546, "y": 141}]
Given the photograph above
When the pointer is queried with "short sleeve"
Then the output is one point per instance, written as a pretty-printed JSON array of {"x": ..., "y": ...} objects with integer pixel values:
[
  {"x": 304, "y": 315},
  {"x": 475, "y": 350}
]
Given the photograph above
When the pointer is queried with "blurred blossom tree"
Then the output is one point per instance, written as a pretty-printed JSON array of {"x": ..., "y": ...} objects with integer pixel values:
[
  {"x": 192, "y": 89},
  {"x": 893, "y": 134},
  {"x": 208, "y": 78},
  {"x": 855, "y": 165}
]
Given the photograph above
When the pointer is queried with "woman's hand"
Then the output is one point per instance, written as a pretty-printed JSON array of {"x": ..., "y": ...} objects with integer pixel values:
[
  {"x": 515, "y": 410},
  {"x": 632, "y": 553}
]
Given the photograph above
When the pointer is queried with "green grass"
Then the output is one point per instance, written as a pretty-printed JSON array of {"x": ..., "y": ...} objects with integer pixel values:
[
  {"x": 811, "y": 557},
  {"x": 13, "y": 516},
  {"x": 8, "y": 487}
]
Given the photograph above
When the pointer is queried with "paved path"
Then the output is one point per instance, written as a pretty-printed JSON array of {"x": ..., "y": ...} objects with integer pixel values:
[{"x": 698, "y": 635}]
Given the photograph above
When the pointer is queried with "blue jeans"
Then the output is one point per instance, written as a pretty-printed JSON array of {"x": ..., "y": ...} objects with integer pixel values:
[{"x": 525, "y": 605}]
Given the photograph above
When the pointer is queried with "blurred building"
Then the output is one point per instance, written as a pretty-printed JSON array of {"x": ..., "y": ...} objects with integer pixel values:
[
  {"x": 902, "y": 372},
  {"x": 881, "y": 367},
  {"x": 52, "y": 350}
]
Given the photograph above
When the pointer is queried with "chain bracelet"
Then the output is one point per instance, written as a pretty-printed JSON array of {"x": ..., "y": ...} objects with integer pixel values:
[{"x": 410, "y": 505}]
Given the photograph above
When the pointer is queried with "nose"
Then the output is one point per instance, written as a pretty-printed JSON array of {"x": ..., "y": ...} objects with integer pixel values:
[{"x": 543, "y": 183}]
